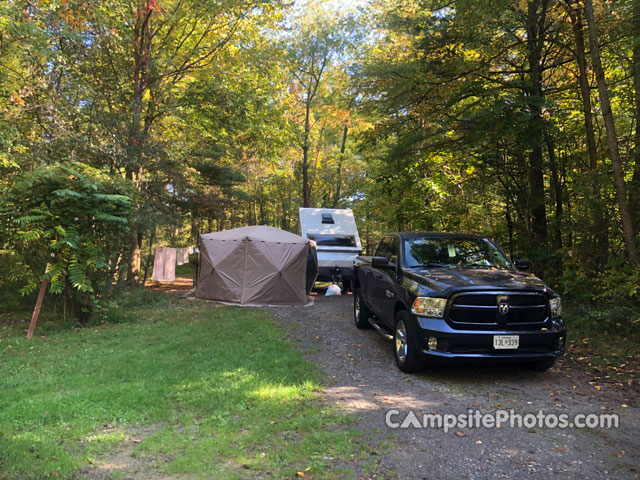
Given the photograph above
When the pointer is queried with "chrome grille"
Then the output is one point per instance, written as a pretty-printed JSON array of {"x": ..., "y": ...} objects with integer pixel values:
[{"x": 480, "y": 310}]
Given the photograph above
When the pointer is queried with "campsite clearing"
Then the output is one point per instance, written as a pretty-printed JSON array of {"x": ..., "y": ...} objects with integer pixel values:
[{"x": 196, "y": 389}]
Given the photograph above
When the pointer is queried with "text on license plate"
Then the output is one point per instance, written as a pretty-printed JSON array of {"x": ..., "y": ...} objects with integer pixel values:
[{"x": 506, "y": 341}]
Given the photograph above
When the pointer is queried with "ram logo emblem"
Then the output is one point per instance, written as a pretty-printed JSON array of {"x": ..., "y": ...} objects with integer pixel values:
[{"x": 503, "y": 304}]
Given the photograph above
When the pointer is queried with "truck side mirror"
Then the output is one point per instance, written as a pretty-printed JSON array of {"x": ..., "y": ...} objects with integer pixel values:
[
  {"x": 380, "y": 262},
  {"x": 522, "y": 263}
]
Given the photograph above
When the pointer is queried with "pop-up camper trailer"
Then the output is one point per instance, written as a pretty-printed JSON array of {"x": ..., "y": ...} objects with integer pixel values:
[{"x": 338, "y": 243}]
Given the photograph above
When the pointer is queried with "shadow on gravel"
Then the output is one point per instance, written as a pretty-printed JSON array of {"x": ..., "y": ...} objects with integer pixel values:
[{"x": 477, "y": 372}]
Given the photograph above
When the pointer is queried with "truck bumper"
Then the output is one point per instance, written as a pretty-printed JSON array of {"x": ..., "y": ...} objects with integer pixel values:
[{"x": 534, "y": 345}]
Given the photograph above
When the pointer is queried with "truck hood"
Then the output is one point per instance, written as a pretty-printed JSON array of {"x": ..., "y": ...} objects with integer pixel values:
[{"x": 445, "y": 278}]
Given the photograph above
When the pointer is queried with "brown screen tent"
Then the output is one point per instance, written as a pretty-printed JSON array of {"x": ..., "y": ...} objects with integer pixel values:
[{"x": 256, "y": 266}]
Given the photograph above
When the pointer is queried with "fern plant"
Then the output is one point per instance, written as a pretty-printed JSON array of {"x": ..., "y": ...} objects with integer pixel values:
[{"x": 70, "y": 222}]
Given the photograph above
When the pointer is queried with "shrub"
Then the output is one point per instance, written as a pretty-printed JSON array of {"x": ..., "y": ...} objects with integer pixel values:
[{"x": 70, "y": 221}]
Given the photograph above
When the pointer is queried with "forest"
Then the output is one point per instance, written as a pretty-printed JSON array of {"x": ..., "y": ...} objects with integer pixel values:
[{"x": 132, "y": 123}]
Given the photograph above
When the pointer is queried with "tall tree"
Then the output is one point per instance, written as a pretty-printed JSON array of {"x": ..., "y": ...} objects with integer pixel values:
[
  {"x": 634, "y": 186},
  {"x": 599, "y": 222},
  {"x": 320, "y": 38},
  {"x": 612, "y": 139},
  {"x": 536, "y": 28}
]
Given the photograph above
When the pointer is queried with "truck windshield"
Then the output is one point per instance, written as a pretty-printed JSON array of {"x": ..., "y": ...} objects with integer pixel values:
[
  {"x": 444, "y": 251},
  {"x": 333, "y": 240}
]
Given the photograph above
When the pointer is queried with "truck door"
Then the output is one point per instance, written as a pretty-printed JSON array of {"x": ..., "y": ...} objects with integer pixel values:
[
  {"x": 388, "y": 283},
  {"x": 379, "y": 284}
]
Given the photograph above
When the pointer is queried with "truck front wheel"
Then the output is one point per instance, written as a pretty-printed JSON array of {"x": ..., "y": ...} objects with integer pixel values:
[{"x": 404, "y": 344}]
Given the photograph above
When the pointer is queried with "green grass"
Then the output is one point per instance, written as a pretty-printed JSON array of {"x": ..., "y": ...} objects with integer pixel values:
[
  {"x": 184, "y": 270},
  {"x": 216, "y": 389}
]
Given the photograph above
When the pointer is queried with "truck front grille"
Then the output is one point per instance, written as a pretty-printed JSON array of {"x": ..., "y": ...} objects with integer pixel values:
[{"x": 502, "y": 310}]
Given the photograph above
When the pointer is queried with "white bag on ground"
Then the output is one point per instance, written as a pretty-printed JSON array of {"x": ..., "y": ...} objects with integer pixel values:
[{"x": 333, "y": 290}]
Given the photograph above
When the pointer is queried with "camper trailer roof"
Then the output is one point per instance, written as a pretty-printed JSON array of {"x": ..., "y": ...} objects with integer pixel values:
[{"x": 329, "y": 221}]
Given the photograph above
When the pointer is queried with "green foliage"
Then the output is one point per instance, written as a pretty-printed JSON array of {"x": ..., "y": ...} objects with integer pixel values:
[
  {"x": 621, "y": 319},
  {"x": 457, "y": 114},
  {"x": 208, "y": 121},
  {"x": 617, "y": 283},
  {"x": 68, "y": 222}
]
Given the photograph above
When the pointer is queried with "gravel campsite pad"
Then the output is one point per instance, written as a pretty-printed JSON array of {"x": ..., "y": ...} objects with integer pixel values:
[{"x": 362, "y": 379}]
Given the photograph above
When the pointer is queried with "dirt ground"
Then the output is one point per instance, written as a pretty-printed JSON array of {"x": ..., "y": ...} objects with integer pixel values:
[
  {"x": 362, "y": 379},
  {"x": 179, "y": 286}
]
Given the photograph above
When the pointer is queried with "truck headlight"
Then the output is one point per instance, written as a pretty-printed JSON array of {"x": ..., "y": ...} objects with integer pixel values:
[
  {"x": 429, "y": 306},
  {"x": 556, "y": 307}
]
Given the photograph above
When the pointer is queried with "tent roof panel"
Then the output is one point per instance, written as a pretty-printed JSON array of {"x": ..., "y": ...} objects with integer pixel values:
[{"x": 256, "y": 233}]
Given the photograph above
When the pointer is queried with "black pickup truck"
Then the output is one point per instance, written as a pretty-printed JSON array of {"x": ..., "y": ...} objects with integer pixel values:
[{"x": 438, "y": 295}]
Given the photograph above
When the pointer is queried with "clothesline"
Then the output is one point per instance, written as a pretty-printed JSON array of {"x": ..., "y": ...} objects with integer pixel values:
[{"x": 164, "y": 264}]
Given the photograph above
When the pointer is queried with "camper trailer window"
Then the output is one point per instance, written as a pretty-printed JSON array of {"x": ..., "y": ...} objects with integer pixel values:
[{"x": 334, "y": 240}]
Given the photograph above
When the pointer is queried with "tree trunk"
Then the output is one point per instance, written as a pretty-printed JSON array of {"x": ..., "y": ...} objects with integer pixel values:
[
  {"x": 585, "y": 89},
  {"x": 306, "y": 194},
  {"x": 142, "y": 40},
  {"x": 634, "y": 186},
  {"x": 535, "y": 35},
  {"x": 612, "y": 139},
  {"x": 336, "y": 199},
  {"x": 149, "y": 254},
  {"x": 599, "y": 226},
  {"x": 556, "y": 185},
  {"x": 507, "y": 213}
]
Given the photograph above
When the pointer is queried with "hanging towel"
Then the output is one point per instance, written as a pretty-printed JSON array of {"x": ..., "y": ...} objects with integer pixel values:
[
  {"x": 164, "y": 265},
  {"x": 169, "y": 264},
  {"x": 182, "y": 256},
  {"x": 158, "y": 265}
]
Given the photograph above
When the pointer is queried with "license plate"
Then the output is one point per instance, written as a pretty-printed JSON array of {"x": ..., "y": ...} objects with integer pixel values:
[{"x": 503, "y": 342}]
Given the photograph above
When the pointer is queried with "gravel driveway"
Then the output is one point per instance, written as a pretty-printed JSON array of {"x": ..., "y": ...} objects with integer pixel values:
[{"x": 362, "y": 379}]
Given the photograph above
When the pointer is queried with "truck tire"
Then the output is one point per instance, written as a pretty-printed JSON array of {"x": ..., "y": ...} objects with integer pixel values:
[
  {"x": 405, "y": 349},
  {"x": 361, "y": 313}
]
